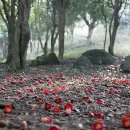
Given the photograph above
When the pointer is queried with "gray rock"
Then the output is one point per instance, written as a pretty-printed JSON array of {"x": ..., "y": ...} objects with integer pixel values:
[
  {"x": 125, "y": 66},
  {"x": 83, "y": 61},
  {"x": 99, "y": 57},
  {"x": 49, "y": 59}
]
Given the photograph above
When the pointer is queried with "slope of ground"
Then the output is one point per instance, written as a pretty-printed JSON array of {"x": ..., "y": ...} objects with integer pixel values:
[{"x": 38, "y": 96}]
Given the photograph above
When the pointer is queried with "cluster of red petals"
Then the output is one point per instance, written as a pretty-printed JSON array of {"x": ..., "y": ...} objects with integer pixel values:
[
  {"x": 100, "y": 101},
  {"x": 8, "y": 109},
  {"x": 48, "y": 106},
  {"x": 98, "y": 125},
  {"x": 54, "y": 128},
  {"x": 49, "y": 81},
  {"x": 96, "y": 114},
  {"x": 126, "y": 122},
  {"x": 68, "y": 106},
  {"x": 56, "y": 109},
  {"x": 46, "y": 120},
  {"x": 58, "y": 100},
  {"x": 39, "y": 100}
]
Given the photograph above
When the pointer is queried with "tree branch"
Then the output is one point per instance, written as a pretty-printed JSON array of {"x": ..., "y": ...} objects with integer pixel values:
[
  {"x": 6, "y": 9},
  {"x": 4, "y": 19},
  {"x": 83, "y": 15}
]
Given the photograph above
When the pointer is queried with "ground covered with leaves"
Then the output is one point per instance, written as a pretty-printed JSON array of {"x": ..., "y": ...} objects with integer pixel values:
[{"x": 60, "y": 97}]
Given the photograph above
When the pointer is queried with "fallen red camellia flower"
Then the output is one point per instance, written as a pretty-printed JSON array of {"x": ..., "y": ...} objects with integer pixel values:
[
  {"x": 48, "y": 106},
  {"x": 99, "y": 115},
  {"x": 36, "y": 83},
  {"x": 30, "y": 90},
  {"x": 39, "y": 100},
  {"x": 98, "y": 125},
  {"x": 49, "y": 81},
  {"x": 67, "y": 111},
  {"x": 58, "y": 100},
  {"x": 56, "y": 109},
  {"x": 46, "y": 120},
  {"x": 8, "y": 109},
  {"x": 126, "y": 122},
  {"x": 46, "y": 91},
  {"x": 68, "y": 106},
  {"x": 54, "y": 128},
  {"x": 100, "y": 101}
]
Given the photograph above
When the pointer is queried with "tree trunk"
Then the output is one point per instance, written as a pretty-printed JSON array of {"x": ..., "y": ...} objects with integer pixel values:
[
  {"x": 13, "y": 47},
  {"x": 47, "y": 28},
  {"x": 61, "y": 26},
  {"x": 53, "y": 41},
  {"x": 18, "y": 32},
  {"x": 90, "y": 32},
  {"x": 112, "y": 41},
  {"x": 24, "y": 12},
  {"x": 113, "y": 29}
]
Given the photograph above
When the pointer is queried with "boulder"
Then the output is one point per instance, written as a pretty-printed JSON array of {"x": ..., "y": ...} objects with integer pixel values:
[
  {"x": 83, "y": 61},
  {"x": 50, "y": 59},
  {"x": 125, "y": 66},
  {"x": 99, "y": 57}
]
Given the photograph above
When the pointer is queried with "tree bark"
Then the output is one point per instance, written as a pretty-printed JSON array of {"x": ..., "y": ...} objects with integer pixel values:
[
  {"x": 24, "y": 12},
  {"x": 90, "y": 32},
  {"x": 113, "y": 29},
  {"x": 61, "y": 26},
  {"x": 18, "y": 32}
]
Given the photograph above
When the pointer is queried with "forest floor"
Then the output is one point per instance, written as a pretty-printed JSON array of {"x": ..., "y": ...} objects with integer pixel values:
[{"x": 38, "y": 98}]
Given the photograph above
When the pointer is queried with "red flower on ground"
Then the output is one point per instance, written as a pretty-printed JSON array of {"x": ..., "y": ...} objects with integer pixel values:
[
  {"x": 67, "y": 111},
  {"x": 46, "y": 91},
  {"x": 126, "y": 122},
  {"x": 36, "y": 83},
  {"x": 48, "y": 106},
  {"x": 46, "y": 120},
  {"x": 49, "y": 81},
  {"x": 56, "y": 109},
  {"x": 68, "y": 106},
  {"x": 8, "y": 109},
  {"x": 91, "y": 114},
  {"x": 30, "y": 90},
  {"x": 100, "y": 101},
  {"x": 99, "y": 115},
  {"x": 98, "y": 125},
  {"x": 54, "y": 128},
  {"x": 111, "y": 90},
  {"x": 58, "y": 100},
  {"x": 39, "y": 100}
]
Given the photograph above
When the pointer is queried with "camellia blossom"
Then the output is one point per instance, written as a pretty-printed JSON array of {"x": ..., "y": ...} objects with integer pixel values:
[
  {"x": 39, "y": 100},
  {"x": 126, "y": 122},
  {"x": 68, "y": 106},
  {"x": 99, "y": 115},
  {"x": 36, "y": 83},
  {"x": 46, "y": 120},
  {"x": 58, "y": 100},
  {"x": 67, "y": 111},
  {"x": 8, "y": 109},
  {"x": 64, "y": 88},
  {"x": 49, "y": 81},
  {"x": 46, "y": 91},
  {"x": 54, "y": 91},
  {"x": 98, "y": 125},
  {"x": 100, "y": 101},
  {"x": 111, "y": 90},
  {"x": 30, "y": 90},
  {"x": 48, "y": 106},
  {"x": 56, "y": 109},
  {"x": 54, "y": 128}
]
